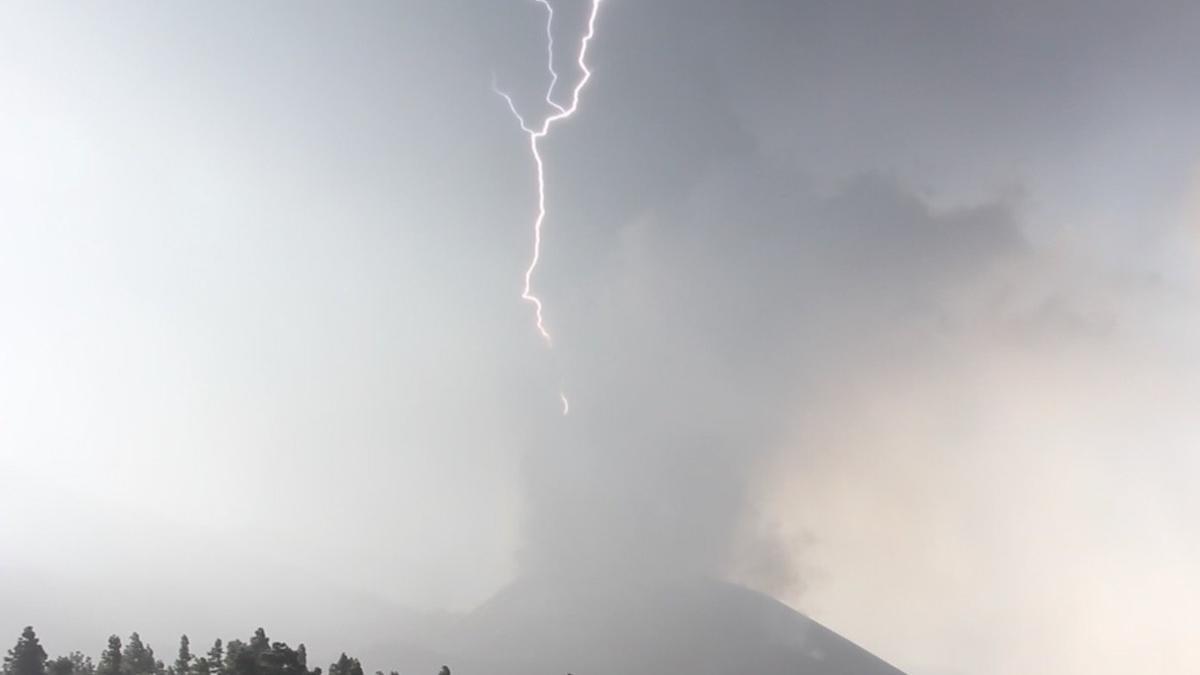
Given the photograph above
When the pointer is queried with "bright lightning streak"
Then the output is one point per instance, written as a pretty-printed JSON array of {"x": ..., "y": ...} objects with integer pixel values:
[
  {"x": 536, "y": 134},
  {"x": 550, "y": 55}
]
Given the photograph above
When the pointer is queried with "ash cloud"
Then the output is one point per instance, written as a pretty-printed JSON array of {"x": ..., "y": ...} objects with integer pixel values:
[{"x": 721, "y": 311}]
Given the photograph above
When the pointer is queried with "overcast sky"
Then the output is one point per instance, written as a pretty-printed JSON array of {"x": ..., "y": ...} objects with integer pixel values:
[{"x": 888, "y": 309}]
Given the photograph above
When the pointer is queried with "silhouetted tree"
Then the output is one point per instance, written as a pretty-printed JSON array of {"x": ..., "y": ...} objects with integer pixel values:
[
  {"x": 233, "y": 651},
  {"x": 183, "y": 662},
  {"x": 283, "y": 660},
  {"x": 110, "y": 660},
  {"x": 74, "y": 663},
  {"x": 60, "y": 666},
  {"x": 259, "y": 642},
  {"x": 216, "y": 659},
  {"x": 258, "y": 656},
  {"x": 27, "y": 657},
  {"x": 444, "y": 671},
  {"x": 346, "y": 666},
  {"x": 138, "y": 658},
  {"x": 240, "y": 659},
  {"x": 81, "y": 664}
]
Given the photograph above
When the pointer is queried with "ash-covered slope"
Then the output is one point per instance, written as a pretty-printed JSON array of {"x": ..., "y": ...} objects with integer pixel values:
[{"x": 546, "y": 627}]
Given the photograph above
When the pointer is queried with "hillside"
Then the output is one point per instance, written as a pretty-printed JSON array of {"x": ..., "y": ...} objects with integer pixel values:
[{"x": 697, "y": 627}]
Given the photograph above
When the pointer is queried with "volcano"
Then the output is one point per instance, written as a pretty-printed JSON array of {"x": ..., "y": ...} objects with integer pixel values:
[{"x": 539, "y": 626}]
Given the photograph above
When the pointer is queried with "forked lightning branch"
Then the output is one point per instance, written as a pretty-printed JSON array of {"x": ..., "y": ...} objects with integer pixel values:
[{"x": 538, "y": 132}]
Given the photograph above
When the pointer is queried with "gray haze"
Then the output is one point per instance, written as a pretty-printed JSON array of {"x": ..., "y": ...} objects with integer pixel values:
[{"x": 885, "y": 309}]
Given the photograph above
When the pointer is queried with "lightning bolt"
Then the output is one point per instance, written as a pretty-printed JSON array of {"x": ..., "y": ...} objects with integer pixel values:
[{"x": 536, "y": 134}]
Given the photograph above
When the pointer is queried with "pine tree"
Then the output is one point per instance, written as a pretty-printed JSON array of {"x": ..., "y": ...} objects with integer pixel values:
[
  {"x": 259, "y": 643},
  {"x": 60, "y": 666},
  {"x": 216, "y": 658},
  {"x": 341, "y": 666},
  {"x": 110, "y": 660},
  {"x": 183, "y": 663},
  {"x": 233, "y": 653},
  {"x": 346, "y": 666},
  {"x": 27, "y": 657},
  {"x": 138, "y": 658},
  {"x": 75, "y": 663},
  {"x": 81, "y": 664}
]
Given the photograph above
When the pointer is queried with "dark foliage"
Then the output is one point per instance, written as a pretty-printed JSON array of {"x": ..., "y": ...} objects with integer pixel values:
[
  {"x": 27, "y": 657},
  {"x": 258, "y": 656}
]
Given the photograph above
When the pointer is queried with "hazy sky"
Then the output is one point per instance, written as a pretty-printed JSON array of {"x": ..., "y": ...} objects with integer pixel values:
[{"x": 888, "y": 309}]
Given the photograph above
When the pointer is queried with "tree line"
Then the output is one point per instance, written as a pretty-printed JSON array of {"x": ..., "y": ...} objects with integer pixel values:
[{"x": 257, "y": 656}]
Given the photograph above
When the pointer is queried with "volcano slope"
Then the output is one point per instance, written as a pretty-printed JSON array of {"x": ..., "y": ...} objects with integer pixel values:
[{"x": 540, "y": 626}]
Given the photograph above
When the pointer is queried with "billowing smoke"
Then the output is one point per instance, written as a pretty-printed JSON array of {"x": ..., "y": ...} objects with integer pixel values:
[
  {"x": 796, "y": 352},
  {"x": 726, "y": 316},
  {"x": 786, "y": 377}
]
